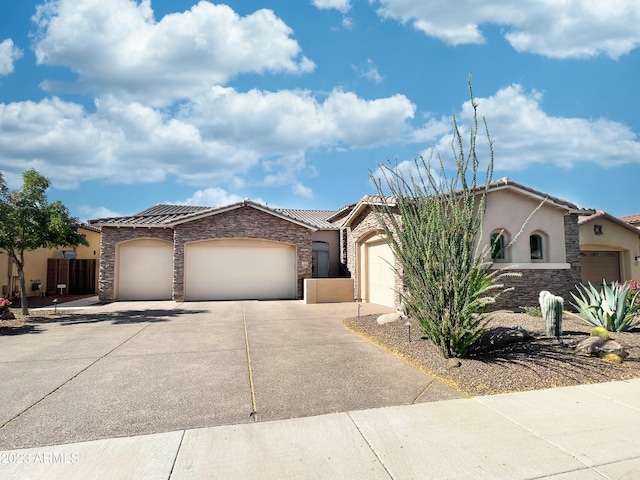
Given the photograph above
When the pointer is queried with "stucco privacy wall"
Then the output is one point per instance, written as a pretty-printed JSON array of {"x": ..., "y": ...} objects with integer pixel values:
[
  {"x": 111, "y": 237},
  {"x": 242, "y": 222}
]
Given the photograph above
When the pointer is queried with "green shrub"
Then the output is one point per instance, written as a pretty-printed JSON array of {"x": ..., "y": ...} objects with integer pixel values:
[
  {"x": 535, "y": 311},
  {"x": 609, "y": 307}
]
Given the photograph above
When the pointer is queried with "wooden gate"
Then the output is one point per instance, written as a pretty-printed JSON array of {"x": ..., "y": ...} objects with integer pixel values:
[{"x": 78, "y": 275}]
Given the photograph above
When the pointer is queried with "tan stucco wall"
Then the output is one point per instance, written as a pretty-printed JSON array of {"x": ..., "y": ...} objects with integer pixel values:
[
  {"x": 332, "y": 237},
  {"x": 614, "y": 238},
  {"x": 328, "y": 290},
  {"x": 509, "y": 211},
  {"x": 35, "y": 262}
]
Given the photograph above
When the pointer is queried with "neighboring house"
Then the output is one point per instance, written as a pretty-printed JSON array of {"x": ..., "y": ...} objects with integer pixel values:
[
  {"x": 251, "y": 251},
  {"x": 547, "y": 252},
  {"x": 45, "y": 269},
  {"x": 609, "y": 249},
  {"x": 241, "y": 251},
  {"x": 633, "y": 220}
]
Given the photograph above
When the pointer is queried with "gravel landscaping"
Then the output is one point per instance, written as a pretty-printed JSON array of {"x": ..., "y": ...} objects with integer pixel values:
[{"x": 540, "y": 363}]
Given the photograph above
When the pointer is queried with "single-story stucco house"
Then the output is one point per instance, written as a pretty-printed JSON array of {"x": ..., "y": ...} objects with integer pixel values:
[{"x": 251, "y": 251}]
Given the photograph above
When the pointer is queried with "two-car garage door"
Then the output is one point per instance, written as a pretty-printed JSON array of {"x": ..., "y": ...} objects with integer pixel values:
[
  {"x": 238, "y": 269},
  {"x": 228, "y": 269}
]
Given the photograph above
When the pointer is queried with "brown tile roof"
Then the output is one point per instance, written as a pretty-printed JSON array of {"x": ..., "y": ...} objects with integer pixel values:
[
  {"x": 600, "y": 214},
  {"x": 632, "y": 219}
]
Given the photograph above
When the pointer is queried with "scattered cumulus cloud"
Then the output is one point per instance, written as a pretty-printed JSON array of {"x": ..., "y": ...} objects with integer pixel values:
[
  {"x": 89, "y": 212},
  {"x": 369, "y": 71},
  {"x": 9, "y": 53},
  {"x": 341, "y": 5},
  {"x": 576, "y": 29},
  {"x": 213, "y": 140},
  {"x": 524, "y": 135},
  {"x": 211, "y": 197},
  {"x": 118, "y": 47}
]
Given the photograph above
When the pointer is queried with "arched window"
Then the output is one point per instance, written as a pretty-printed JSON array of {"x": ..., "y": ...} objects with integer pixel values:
[
  {"x": 498, "y": 246},
  {"x": 536, "y": 247}
]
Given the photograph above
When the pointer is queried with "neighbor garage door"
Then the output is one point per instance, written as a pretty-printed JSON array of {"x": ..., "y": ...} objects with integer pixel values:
[
  {"x": 597, "y": 266},
  {"x": 380, "y": 275},
  {"x": 145, "y": 270},
  {"x": 240, "y": 269}
]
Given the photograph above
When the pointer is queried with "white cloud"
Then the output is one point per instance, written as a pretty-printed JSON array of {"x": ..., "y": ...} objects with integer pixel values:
[
  {"x": 369, "y": 71},
  {"x": 287, "y": 122},
  {"x": 118, "y": 47},
  {"x": 9, "y": 53},
  {"x": 89, "y": 212},
  {"x": 580, "y": 28},
  {"x": 341, "y": 5},
  {"x": 212, "y": 141},
  {"x": 302, "y": 191},
  {"x": 524, "y": 135},
  {"x": 211, "y": 197}
]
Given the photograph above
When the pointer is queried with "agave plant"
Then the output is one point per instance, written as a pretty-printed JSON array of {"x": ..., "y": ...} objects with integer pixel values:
[{"x": 607, "y": 308}]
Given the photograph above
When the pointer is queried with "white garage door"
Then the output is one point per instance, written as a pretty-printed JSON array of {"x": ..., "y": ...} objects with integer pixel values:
[
  {"x": 145, "y": 270},
  {"x": 380, "y": 275},
  {"x": 240, "y": 269}
]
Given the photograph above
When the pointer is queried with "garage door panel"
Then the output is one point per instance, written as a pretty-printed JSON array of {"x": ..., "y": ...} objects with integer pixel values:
[
  {"x": 145, "y": 270},
  {"x": 380, "y": 274},
  {"x": 599, "y": 265},
  {"x": 240, "y": 269}
]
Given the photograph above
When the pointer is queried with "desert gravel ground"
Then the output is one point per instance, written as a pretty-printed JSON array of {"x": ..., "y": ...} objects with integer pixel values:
[{"x": 540, "y": 363}]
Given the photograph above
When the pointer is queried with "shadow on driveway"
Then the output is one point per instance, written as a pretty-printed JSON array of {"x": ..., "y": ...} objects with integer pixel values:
[{"x": 125, "y": 317}]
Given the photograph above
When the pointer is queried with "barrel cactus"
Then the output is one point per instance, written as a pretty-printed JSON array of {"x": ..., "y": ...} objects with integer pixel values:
[{"x": 600, "y": 332}]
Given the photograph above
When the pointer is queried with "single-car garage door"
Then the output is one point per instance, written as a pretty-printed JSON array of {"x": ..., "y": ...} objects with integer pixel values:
[
  {"x": 599, "y": 265},
  {"x": 240, "y": 269},
  {"x": 380, "y": 276},
  {"x": 144, "y": 270}
]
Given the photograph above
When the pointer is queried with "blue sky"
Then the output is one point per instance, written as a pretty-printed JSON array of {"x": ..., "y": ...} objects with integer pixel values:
[{"x": 126, "y": 104}]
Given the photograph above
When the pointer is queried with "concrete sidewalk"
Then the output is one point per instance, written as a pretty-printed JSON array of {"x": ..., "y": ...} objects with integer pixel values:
[{"x": 585, "y": 432}]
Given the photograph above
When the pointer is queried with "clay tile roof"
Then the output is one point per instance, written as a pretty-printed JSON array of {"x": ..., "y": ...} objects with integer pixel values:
[
  {"x": 600, "y": 214},
  {"x": 633, "y": 219}
]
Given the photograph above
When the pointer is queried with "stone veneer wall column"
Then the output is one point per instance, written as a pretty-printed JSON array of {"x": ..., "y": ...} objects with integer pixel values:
[
  {"x": 111, "y": 236},
  {"x": 243, "y": 222}
]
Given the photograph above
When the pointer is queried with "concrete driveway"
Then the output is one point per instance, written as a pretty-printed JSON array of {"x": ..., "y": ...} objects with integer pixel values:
[{"x": 145, "y": 367}]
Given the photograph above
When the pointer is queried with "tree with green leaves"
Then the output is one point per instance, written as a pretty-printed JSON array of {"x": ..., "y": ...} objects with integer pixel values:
[
  {"x": 28, "y": 222},
  {"x": 433, "y": 223}
]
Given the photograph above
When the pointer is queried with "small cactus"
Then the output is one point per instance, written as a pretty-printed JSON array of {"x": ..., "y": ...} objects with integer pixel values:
[
  {"x": 552, "y": 311},
  {"x": 612, "y": 358},
  {"x": 600, "y": 332}
]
